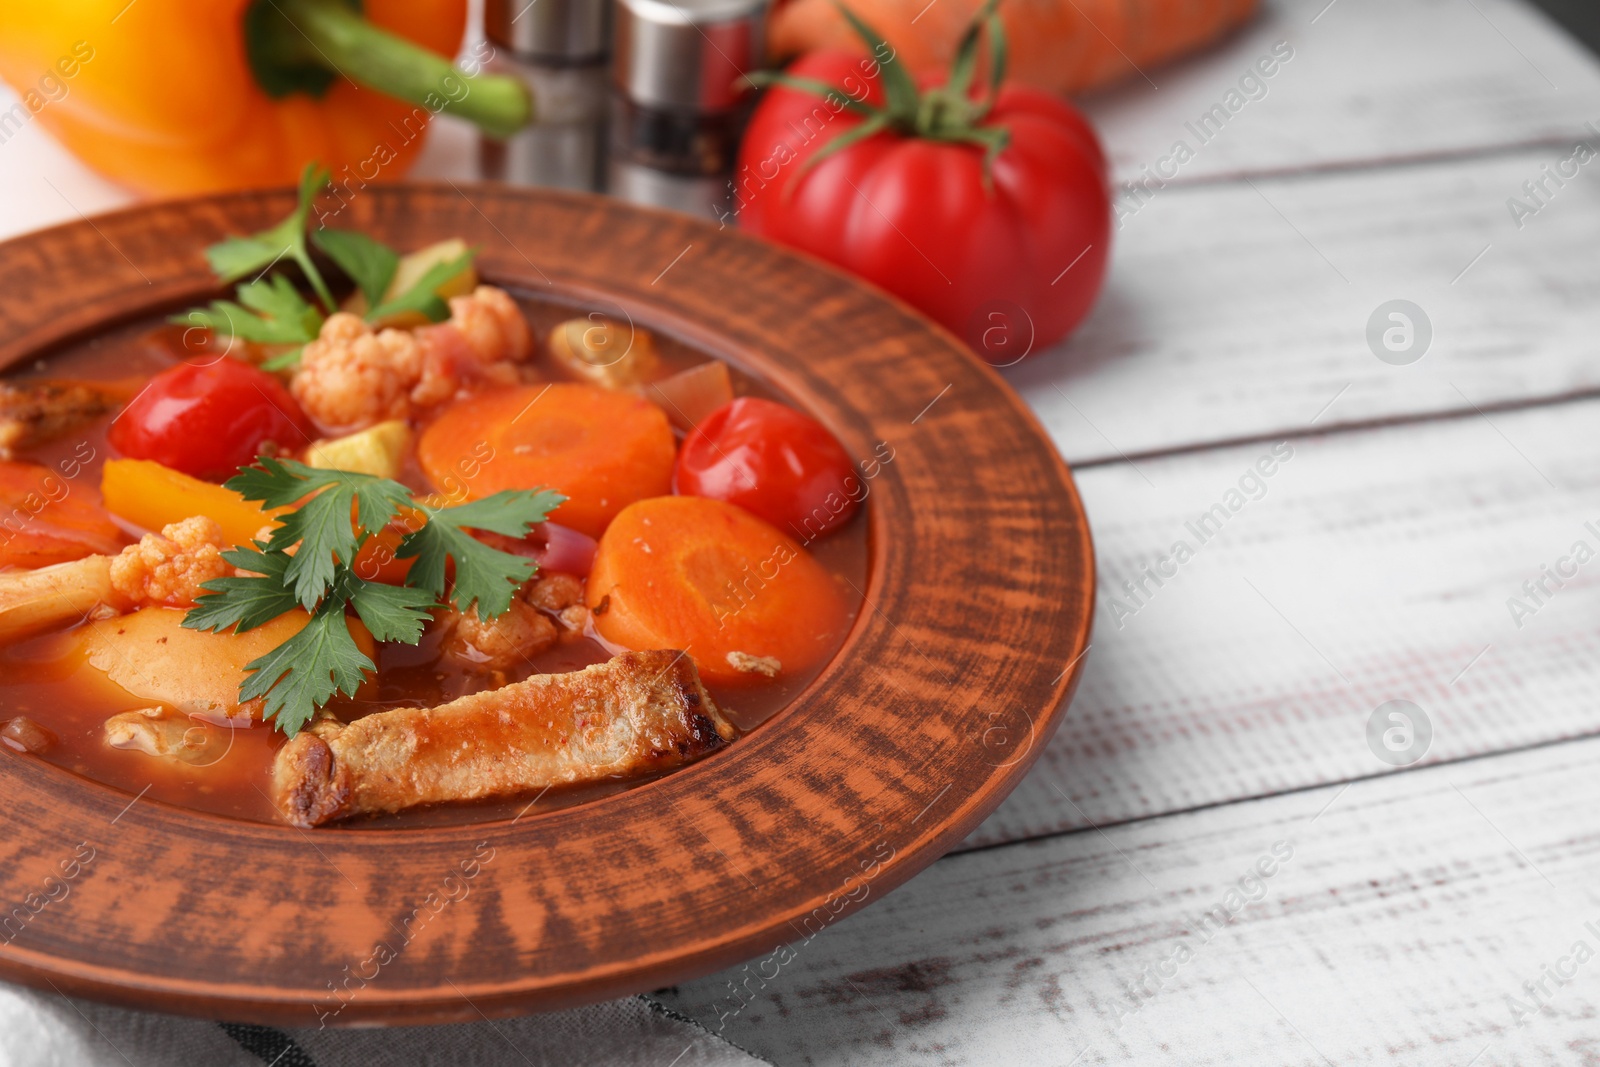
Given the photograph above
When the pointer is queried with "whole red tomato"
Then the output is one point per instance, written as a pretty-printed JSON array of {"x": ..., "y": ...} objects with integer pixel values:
[
  {"x": 1008, "y": 254},
  {"x": 209, "y": 419},
  {"x": 775, "y": 462}
]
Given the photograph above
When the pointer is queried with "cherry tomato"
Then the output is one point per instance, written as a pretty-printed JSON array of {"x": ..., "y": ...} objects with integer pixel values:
[
  {"x": 773, "y": 461},
  {"x": 209, "y": 419}
]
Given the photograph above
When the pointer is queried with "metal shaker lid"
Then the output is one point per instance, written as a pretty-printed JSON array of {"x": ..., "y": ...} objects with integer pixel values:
[
  {"x": 688, "y": 55},
  {"x": 560, "y": 30}
]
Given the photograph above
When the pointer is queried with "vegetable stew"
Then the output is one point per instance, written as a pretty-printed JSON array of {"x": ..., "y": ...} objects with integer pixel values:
[{"x": 436, "y": 561}]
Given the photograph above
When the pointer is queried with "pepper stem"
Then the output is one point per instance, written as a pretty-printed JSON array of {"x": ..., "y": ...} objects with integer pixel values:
[{"x": 304, "y": 45}]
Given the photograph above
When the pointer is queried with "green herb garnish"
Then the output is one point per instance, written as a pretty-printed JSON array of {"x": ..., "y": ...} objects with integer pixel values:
[
  {"x": 270, "y": 310},
  {"x": 367, "y": 262},
  {"x": 236, "y": 257},
  {"x": 424, "y": 296},
  {"x": 337, "y": 514}
]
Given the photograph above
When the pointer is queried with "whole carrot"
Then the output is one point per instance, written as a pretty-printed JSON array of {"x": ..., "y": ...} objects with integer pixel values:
[{"x": 1063, "y": 46}]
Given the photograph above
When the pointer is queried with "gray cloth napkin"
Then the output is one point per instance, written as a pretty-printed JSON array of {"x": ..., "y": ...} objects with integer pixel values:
[{"x": 48, "y": 1030}]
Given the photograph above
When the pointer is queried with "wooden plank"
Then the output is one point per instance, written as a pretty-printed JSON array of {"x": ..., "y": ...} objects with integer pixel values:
[
  {"x": 1364, "y": 81},
  {"x": 1242, "y": 309},
  {"x": 1374, "y": 566},
  {"x": 1408, "y": 910}
]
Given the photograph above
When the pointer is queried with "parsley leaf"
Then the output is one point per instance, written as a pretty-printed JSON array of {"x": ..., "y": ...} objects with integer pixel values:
[
  {"x": 424, "y": 297},
  {"x": 245, "y": 602},
  {"x": 483, "y": 574},
  {"x": 322, "y": 526},
  {"x": 307, "y": 562},
  {"x": 303, "y": 673},
  {"x": 236, "y": 257},
  {"x": 274, "y": 313},
  {"x": 370, "y": 264},
  {"x": 392, "y": 612}
]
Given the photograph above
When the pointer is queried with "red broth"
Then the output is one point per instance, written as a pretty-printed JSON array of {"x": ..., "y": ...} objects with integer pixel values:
[{"x": 232, "y": 774}]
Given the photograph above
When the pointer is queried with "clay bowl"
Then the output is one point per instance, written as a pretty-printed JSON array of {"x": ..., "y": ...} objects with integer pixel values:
[{"x": 977, "y": 613}]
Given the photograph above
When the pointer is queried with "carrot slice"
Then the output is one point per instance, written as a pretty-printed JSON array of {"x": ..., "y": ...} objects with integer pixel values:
[
  {"x": 602, "y": 449},
  {"x": 711, "y": 579},
  {"x": 46, "y": 518}
]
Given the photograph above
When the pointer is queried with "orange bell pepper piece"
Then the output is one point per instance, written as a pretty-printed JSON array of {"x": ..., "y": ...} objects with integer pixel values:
[
  {"x": 149, "y": 495},
  {"x": 172, "y": 96}
]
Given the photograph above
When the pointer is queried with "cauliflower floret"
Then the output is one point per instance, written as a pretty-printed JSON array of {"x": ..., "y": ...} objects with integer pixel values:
[
  {"x": 351, "y": 376},
  {"x": 492, "y": 324},
  {"x": 168, "y": 568}
]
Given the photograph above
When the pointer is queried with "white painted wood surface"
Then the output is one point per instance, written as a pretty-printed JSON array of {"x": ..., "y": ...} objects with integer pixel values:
[
  {"x": 1240, "y": 309},
  {"x": 1407, "y": 914},
  {"x": 1375, "y": 565},
  {"x": 1231, "y": 707},
  {"x": 1368, "y": 80}
]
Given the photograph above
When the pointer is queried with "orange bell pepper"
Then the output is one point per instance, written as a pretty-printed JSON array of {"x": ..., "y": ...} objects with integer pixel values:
[
  {"x": 149, "y": 495},
  {"x": 174, "y": 96}
]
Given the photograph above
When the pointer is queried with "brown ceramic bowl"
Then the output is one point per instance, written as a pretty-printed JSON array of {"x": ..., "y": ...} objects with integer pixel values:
[{"x": 978, "y": 612}]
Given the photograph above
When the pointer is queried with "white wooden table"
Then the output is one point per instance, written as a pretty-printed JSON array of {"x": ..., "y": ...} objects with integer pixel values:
[
  {"x": 1114, "y": 909},
  {"x": 1226, "y": 716}
]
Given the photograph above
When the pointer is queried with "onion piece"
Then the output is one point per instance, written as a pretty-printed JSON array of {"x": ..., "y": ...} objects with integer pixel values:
[
  {"x": 690, "y": 395},
  {"x": 565, "y": 550}
]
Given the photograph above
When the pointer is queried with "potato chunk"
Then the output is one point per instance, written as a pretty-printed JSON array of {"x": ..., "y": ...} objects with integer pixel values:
[{"x": 194, "y": 672}]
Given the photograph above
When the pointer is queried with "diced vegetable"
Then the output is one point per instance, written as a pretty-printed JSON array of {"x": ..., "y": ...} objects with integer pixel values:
[
  {"x": 713, "y": 580},
  {"x": 46, "y": 518},
  {"x": 151, "y": 496},
  {"x": 22, "y": 734},
  {"x": 552, "y": 546},
  {"x": 154, "y": 657},
  {"x": 565, "y": 551},
  {"x": 690, "y": 395},
  {"x": 602, "y": 450},
  {"x": 378, "y": 450},
  {"x": 606, "y": 352}
]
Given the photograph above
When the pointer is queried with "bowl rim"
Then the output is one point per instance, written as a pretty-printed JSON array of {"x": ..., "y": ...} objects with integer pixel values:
[{"x": 745, "y": 300}]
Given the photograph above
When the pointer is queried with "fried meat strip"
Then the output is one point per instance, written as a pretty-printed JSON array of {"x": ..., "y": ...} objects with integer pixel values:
[
  {"x": 638, "y": 713},
  {"x": 31, "y": 412}
]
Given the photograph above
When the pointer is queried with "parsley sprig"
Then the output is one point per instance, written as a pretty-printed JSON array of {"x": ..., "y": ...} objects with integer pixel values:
[
  {"x": 271, "y": 310},
  {"x": 308, "y": 562}
]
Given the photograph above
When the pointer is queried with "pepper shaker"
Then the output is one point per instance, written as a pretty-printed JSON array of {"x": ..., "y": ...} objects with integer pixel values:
[
  {"x": 679, "y": 101},
  {"x": 559, "y": 48}
]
